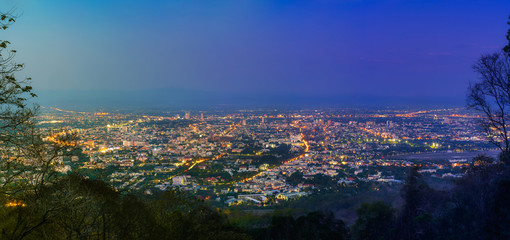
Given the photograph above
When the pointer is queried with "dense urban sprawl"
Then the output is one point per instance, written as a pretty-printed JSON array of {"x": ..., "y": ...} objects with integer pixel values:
[{"x": 264, "y": 156}]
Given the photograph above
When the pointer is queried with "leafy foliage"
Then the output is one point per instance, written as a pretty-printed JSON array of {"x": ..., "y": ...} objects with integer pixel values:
[
  {"x": 314, "y": 225},
  {"x": 375, "y": 221},
  {"x": 295, "y": 178},
  {"x": 80, "y": 208},
  {"x": 27, "y": 161}
]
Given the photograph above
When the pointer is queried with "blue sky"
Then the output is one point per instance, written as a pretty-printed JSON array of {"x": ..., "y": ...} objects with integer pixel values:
[{"x": 384, "y": 48}]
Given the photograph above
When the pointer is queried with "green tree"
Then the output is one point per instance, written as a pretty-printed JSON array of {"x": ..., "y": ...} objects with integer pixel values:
[
  {"x": 319, "y": 225},
  {"x": 282, "y": 227},
  {"x": 412, "y": 192},
  {"x": 314, "y": 225},
  {"x": 15, "y": 113},
  {"x": 181, "y": 216},
  {"x": 26, "y": 158},
  {"x": 322, "y": 181},
  {"x": 295, "y": 178},
  {"x": 416, "y": 220},
  {"x": 375, "y": 222},
  {"x": 28, "y": 170}
]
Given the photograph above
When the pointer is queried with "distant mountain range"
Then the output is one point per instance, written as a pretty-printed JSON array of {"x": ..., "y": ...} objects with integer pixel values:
[{"x": 184, "y": 98}]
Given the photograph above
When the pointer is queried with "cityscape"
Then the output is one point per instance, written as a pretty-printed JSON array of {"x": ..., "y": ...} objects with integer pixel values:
[
  {"x": 255, "y": 120},
  {"x": 248, "y": 156}
]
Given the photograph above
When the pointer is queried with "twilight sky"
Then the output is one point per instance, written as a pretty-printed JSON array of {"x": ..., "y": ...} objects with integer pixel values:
[{"x": 383, "y": 48}]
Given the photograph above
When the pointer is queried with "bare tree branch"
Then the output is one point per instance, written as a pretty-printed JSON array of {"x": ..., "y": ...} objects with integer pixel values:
[{"x": 491, "y": 96}]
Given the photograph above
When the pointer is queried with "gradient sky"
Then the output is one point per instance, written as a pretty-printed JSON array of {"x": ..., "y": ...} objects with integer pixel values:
[{"x": 396, "y": 48}]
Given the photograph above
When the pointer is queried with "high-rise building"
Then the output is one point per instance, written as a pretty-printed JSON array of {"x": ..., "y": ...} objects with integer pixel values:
[
  {"x": 201, "y": 116},
  {"x": 187, "y": 115}
]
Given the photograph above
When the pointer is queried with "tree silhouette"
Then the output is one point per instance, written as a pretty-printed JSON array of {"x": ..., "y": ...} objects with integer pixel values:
[
  {"x": 375, "y": 221},
  {"x": 314, "y": 225},
  {"x": 506, "y": 49},
  {"x": 491, "y": 96},
  {"x": 414, "y": 192}
]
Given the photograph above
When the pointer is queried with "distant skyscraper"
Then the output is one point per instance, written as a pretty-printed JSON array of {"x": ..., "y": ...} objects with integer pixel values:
[
  {"x": 244, "y": 122},
  {"x": 201, "y": 116},
  {"x": 187, "y": 115},
  {"x": 263, "y": 120}
]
